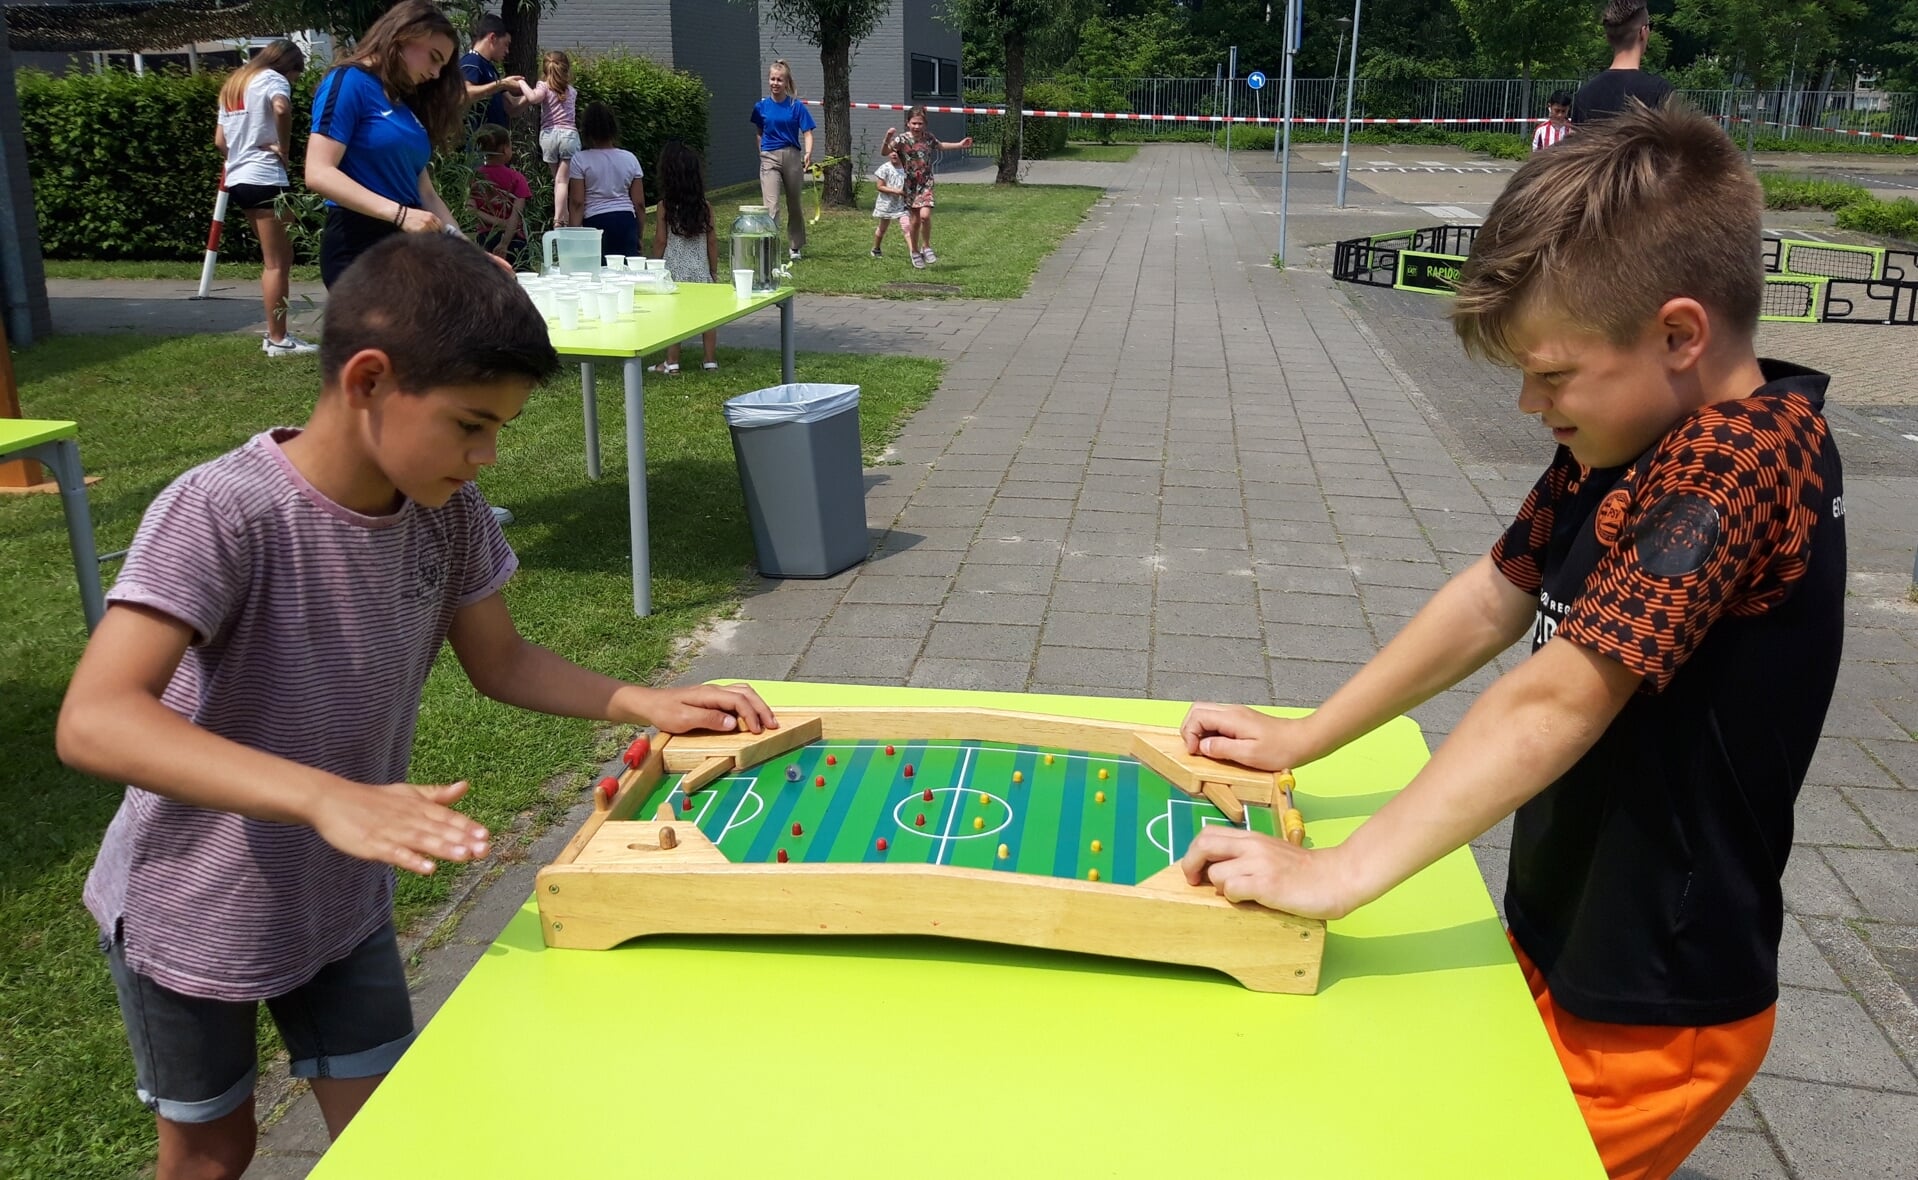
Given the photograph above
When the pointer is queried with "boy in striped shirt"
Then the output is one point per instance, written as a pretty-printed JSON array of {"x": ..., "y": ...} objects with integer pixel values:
[
  {"x": 1559, "y": 125},
  {"x": 256, "y": 681}
]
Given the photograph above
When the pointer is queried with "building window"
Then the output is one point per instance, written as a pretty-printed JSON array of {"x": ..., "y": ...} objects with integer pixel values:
[{"x": 934, "y": 77}]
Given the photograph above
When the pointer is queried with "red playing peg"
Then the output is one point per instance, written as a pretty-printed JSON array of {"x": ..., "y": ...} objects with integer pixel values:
[{"x": 636, "y": 753}]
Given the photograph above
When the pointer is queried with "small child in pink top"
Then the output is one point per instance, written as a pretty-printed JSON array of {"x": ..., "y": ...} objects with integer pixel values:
[
  {"x": 558, "y": 126},
  {"x": 256, "y": 681}
]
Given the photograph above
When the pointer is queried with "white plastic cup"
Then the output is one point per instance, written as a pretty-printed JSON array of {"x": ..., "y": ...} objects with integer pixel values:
[
  {"x": 588, "y": 302},
  {"x": 615, "y": 262},
  {"x": 608, "y": 304},
  {"x": 624, "y": 288},
  {"x": 568, "y": 305},
  {"x": 743, "y": 284}
]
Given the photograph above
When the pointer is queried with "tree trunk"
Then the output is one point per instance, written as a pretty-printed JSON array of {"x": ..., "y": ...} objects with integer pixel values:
[
  {"x": 835, "y": 62},
  {"x": 522, "y": 21},
  {"x": 1009, "y": 142}
]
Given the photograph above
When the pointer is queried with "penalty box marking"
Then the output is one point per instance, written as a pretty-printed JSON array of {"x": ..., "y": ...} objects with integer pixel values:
[{"x": 1165, "y": 818}]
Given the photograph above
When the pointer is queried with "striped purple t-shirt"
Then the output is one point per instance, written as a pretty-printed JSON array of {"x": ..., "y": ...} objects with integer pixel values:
[{"x": 314, "y": 629}]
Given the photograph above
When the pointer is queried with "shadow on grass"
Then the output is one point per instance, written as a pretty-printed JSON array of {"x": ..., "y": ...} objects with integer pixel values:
[{"x": 58, "y": 356}]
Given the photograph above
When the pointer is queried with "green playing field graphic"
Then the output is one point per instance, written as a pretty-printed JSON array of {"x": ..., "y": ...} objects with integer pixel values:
[{"x": 1046, "y": 810}]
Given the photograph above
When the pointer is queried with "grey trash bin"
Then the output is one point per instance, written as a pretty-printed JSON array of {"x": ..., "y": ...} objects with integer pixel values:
[{"x": 798, "y": 452}]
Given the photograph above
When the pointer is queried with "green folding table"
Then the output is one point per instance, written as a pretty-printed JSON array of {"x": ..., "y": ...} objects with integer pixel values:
[
  {"x": 57, "y": 444},
  {"x": 657, "y": 321},
  {"x": 1421, "y": 1055}
]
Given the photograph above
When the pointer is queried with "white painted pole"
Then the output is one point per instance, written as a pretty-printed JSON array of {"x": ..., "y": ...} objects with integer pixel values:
[{"x": 1351, "y": 80}]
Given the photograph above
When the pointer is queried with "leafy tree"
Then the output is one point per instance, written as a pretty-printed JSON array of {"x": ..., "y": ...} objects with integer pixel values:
[
  {"x": 1530, "y": 34},
  {"x": 1765, "y": 35},
  {"x": 1009, "y": 23},
  {"x": 835, "y": 26}
]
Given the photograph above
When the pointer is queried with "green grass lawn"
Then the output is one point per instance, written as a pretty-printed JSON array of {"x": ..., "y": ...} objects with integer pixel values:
[
  {"x": 990, "y": 241},
  {"x": 150, "y": 407}
]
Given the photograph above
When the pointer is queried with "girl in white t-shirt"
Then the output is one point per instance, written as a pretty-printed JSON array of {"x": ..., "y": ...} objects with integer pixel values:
[
  {"x": 890, "y": 205},
  {"x": 608, "y": 187},
  {"x": 559, "y": 137},
  {"x": 255, "y": 130}
]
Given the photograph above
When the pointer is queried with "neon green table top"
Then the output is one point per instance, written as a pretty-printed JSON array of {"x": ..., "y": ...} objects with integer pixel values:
[
  {"x": 1421, "y": 1054},
  {"x": 660, "y": 320},
  {"x": 17, "y": 434}
]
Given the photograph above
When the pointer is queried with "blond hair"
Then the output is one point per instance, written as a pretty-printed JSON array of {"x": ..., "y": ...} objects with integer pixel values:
[
  {"x": 782, "y": 67},
  {"x": 556, "y": 70},
  {"x": 281, "y": 55},
  {"x": 1601, "y": 231}
]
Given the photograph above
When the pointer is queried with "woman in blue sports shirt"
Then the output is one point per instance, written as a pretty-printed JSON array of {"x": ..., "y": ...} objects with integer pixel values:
[
  {"x": 376, "y": 116},
  {"x": 785, "y": 129}
]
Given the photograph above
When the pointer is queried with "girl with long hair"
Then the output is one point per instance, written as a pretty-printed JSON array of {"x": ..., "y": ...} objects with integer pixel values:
[
  {"x": 685, "y": 234},
  {"x": 785, "y": 130},
  {"x": 377, "y": 116},
  {"x": 915, "y": 149},
  {"x": 255, "y": 131},
  {"x": 559, "y": 137}
]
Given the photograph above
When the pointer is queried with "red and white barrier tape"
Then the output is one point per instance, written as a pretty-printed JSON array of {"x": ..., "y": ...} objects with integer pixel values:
[
  {"x": 1134, "y": 117},
  {"x": 1833, "y": 130}
]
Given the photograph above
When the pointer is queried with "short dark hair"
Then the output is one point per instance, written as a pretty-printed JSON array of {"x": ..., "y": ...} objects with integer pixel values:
[
  {"x": 1560, "y": 98},
  {"x": 1622, "y": 20},
  {"x": 441, "y": 310},
  {"x": 489, "y": 25},
  {"x": 598, "y": 125}
]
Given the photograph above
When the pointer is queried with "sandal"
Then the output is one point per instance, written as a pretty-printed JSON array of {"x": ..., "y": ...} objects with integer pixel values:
[
  {"x": 711, "y": 366},
  {"x": 662, "y": 367}
]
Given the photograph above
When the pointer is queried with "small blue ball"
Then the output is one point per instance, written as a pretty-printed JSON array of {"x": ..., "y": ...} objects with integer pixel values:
[{"x": 792, "y": 774}]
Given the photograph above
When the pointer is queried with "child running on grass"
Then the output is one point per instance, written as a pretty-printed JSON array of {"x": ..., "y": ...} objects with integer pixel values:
[
  {"x": 608, "y": 185},
  {"x": 1680, "y": 568},
  {"x": 685, "y": 234},
  {"x": 914, "y": 150},
  {"x": 256, "y": 681},
  {"x": 890, "y": 205}
]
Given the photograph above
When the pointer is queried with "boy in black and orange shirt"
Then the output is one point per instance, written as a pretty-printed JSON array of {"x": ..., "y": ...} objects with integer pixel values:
[{"x": 1680, "y": 570}]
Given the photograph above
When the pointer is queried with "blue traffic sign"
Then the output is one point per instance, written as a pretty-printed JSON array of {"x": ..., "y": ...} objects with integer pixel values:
[{"x": 1256, "y": 80}]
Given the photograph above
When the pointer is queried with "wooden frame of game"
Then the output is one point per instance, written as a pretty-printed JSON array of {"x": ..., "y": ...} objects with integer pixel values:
[{"x": 621, "y": 877}]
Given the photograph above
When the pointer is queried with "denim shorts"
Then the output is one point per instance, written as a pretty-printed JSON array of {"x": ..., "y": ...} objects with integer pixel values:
[{"x": 194, "y": 1058}]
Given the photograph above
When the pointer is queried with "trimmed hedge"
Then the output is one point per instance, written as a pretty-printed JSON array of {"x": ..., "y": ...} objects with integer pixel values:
[{"x": 124, "y": 166}]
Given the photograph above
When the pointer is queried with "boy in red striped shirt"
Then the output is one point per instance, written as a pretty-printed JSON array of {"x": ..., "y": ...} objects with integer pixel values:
[{"x": 1559, "y": 125}]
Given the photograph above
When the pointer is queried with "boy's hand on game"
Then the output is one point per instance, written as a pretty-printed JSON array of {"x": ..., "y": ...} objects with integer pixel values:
[
  {"x": 722, "y": 707},
  {"x": 1250, "y": 866},
  {"x": 1234, "y": 733},
  {"x": 407, "y": 826}
]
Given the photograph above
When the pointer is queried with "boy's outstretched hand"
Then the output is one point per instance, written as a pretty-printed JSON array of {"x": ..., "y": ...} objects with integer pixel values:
[
  {"x": 723, "y": 707},
  {"x": 407, "y": 826},
  {"x": 1250, "y": 866},
  {"x": 1234, "y": 733}
]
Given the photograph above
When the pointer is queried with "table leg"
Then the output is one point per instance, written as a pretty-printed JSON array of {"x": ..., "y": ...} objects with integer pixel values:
[
  {"x": 62, "y": 457},
  {"x": 636, "y": 485},
  {"x": 786, "y": 341},
  {"x": 590, "y": 402}
]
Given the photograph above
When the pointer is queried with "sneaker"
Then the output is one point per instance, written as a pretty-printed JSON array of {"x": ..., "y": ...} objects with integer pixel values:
[
  {"x": 929, "y": 256},
  {"x": 919, "y": 262},
  {"x": 877, "y": 254},
  {"x": 291, "y": 346},
  {"x": 502, "y": 515},
  {"x": 793, "y": 254}
]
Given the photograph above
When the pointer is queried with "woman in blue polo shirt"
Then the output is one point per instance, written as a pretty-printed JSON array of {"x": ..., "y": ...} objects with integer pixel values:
[
  {"x": 785, "y": 150},
  {"x": 376, "y": 117}
]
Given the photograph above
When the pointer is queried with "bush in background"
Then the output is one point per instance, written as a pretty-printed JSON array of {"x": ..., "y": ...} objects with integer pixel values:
[{"x": 124, "y": 167}]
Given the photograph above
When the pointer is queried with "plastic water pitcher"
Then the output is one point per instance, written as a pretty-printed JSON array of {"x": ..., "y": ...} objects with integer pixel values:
[
  {"x": 571, "y": 251},
  {"x": 756, "y": 246}
]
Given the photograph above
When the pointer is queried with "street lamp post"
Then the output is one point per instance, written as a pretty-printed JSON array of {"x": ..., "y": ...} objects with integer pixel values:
[
  {"x": 1351, "y": 76},
  {"x": 1345, "y": 23}
]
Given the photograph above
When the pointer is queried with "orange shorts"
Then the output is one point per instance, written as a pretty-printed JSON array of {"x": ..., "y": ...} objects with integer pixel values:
[{"x": 1649, "y": 1093}]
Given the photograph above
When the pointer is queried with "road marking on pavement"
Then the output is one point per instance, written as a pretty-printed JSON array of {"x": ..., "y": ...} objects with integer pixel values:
[{"x": 1449, "y": 212}]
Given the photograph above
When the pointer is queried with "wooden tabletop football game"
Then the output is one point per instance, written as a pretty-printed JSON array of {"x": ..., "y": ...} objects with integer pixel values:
[
  {"x": 984, "y": 824},
  {"x": 953, "y": 1024}
]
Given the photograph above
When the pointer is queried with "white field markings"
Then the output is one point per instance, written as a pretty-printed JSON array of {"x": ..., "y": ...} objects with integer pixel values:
[
  {"x": 737, "y": 820},
  {"x": 1165, "y": 818}
]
